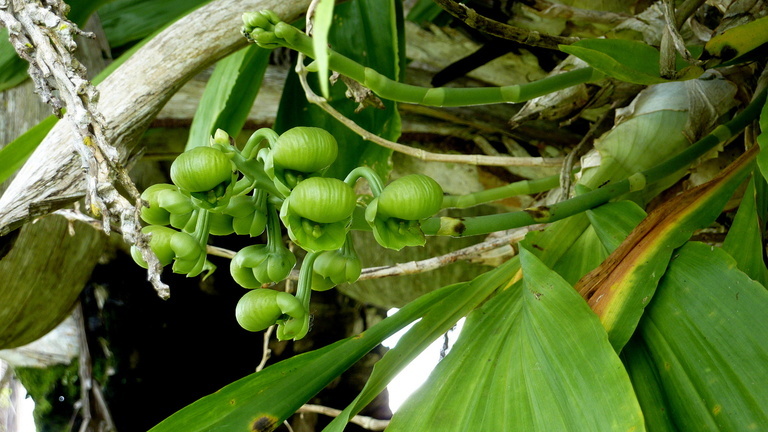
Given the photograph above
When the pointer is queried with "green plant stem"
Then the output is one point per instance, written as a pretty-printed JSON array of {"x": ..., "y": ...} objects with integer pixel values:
[
  {"x": 202, "y": 231},
  {"x": 251, "y": 146},
  {"x": 525, "y": 187},
  {"x": 274, "y": 233},
  {"x": 462, "y": 227},
  {"x": 254, "y": 170},
  {"x": 374, "y": 181},
  {"x": 286, "y": 35}
]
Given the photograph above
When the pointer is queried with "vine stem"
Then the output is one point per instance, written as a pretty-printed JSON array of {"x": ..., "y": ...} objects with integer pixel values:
[
  {"x": 271, "y": 32},
  {"x": 524, "y": 187},
  {"x": 462, "y": 227},
  {"x": 249, "y": 150},
  {"x": 374, "y": 181},
  {"x": 420, "y": 154}
]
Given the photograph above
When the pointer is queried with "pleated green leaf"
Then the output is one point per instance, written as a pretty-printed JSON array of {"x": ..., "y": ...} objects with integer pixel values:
[
  {"x": 262, "y": 401},
  {"x": 229, "y": 95},
  {"x": 576, "y": 245},
  {"x": 552, "y": 244},
  {"x": 533, "y": 358},
  {"x": 647, "y": 383},
  {"x": 439, "y": 320},
  {"x": 614, "y": 221},
  {"x": 708, "y": 337},
  {"x": 744, "y": 241},
  {"x": 621, "y": 287},
  {"x": 369, "y": 33}
]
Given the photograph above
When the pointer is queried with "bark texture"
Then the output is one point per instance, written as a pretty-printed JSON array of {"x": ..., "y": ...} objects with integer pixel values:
[
  {"x": 46, "y": 266},
  {"x": 130, "y": 98}
]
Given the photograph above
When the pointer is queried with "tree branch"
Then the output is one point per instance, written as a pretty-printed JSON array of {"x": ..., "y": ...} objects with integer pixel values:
[
  {"x": 42, "y": 36},
  {"x": 129, "y": 99},
  {"x": 486, "y": 25}
]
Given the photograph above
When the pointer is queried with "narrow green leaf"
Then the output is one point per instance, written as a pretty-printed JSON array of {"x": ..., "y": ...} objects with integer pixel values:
[
  {"x": 126, "y": 21},
  {"x": 526, "y": 360},
  {"x": 762, "y": 141},
  {"x": 436, "y": 322},
  {"x": 229, "y": 95},
  {"x": 706, "y": 333},
  {"x": 744, "y": 241},
  {"x": 322, "y": 23},
  {"x": 13, "y": 156},
  {"x": 366, "y": 31},
  {"x": 263, "y": 400},
  {"x": 631, "y": 61},
  {"x": 424, "y": 11}
]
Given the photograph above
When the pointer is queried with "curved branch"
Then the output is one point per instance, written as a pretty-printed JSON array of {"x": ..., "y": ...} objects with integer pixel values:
[
  {"x": 130, "y": 98},
  {"x": 505, "y": 31}
]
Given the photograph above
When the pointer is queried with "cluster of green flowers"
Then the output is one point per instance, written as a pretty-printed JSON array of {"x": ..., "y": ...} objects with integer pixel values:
[{"x": 220, "y": 190}]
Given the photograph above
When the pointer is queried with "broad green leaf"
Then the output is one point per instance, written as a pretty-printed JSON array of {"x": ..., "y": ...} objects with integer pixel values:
[
  {"x": 13, "y": 156},
  {"x": 572, "y": 247},
  {"x": 647, "y": 384},
  {"x": 366, "y": 31},
  {"x": 263, "y": 400},
  {"x": 762, "y": 141},
  {"x": 229, "y": 95},
  {"x": 527, "y": 360},
  {"x": 322, "y": 23},
  {"x": 626, "y": 60},
  {"x": 436, "y": 322},
  {"x": 126, "y": 21},
  {"x": 614, "y": 221},
  {"x": 620, "y": 288},
  {"x": 553, "y": 242},
  {"x": 706, "y": 333},
  {"x": 744, "y": 241}
]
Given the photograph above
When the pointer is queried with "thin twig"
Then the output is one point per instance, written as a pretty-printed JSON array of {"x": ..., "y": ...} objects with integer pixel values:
[
  {"x": 42, "y": 36},
  {"x": 366, "y": 422},
  {"x": 266, "y": 352},
  {"x": 414, "y": 152},
  {"x": 412, "y": 267},
  {"x": 429, "y": 264},
  {"x": 400, "y": 269},
  {"x": 505, "y": 31},
  {"x": 90, "y": 391}
]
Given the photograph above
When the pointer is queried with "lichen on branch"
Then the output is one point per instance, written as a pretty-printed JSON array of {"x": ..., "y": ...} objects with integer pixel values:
[{"x": 40, "y": 34}]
